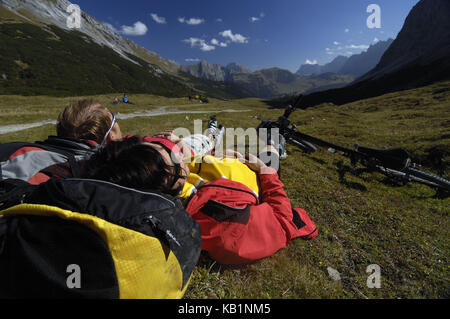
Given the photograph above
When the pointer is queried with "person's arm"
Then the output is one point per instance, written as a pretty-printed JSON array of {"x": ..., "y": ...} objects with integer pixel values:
[
  {"x": 271, "y": 187},
  {"x": 187, "y": 152}
]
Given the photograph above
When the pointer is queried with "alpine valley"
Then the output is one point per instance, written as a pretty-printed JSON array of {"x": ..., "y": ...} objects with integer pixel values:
[{"x": 40, "y": 55}]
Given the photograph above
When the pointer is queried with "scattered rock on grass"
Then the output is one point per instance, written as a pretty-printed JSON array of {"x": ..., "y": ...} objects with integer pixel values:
[{"x": 334, "y": 274}]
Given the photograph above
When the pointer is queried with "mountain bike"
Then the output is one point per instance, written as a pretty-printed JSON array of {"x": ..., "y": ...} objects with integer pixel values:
[{"x": 395, "y": 163}]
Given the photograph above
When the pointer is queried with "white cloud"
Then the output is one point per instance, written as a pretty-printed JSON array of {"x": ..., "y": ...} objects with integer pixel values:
[
  {"x": 157, "y": 19},
  {"x": 361, "y": 46},
  {"x": 218, "y": 43},
  {"x": 376, "y": 40},
  {"x": 345, "y": 50},
  {"x": 205, "y": 47},
  {"x": 200, "y": 43},
  {"x": 237, "y": 38},
  {"x": 255, "y": 19},
  {"x": 311, "y": 62},
  {"x": 219, "y": 20},
  {"x": 347, "y": 30},
  {"x": 191, "y": 21},
  {"x": 137, "y": 29},
  {"x": 192, "y": 60},
  {"x": 195, "y": 21}
]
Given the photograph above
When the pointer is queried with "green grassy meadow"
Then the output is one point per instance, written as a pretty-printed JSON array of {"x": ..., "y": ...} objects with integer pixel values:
[{"x": 362, "y": 217}]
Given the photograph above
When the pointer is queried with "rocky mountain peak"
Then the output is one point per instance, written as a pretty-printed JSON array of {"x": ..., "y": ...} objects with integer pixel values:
[
  {"x": 424, "y": 38},
  {"x": 237, "y": 68}
]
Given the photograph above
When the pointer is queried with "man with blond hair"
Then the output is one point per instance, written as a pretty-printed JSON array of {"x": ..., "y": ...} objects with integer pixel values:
[
  {"x": 88, "y": 121},
  {"x": 82, "y": 127}
]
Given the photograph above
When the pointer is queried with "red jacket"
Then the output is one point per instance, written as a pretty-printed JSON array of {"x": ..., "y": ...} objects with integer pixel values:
[{"x": 238, "y": 228}]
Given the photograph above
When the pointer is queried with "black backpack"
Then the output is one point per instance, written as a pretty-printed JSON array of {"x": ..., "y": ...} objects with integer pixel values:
[{"x": 74, "y": 238}]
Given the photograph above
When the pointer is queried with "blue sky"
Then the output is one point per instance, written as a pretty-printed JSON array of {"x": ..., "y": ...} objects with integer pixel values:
[{"x": 255, "y": 33}]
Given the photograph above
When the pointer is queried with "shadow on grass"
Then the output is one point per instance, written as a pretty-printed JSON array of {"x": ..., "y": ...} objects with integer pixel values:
[
  {"x": 298, "y": 152},
  {"x": 205, "y": 261},
  {"x": 441, "y": 194},
  {"x": 344, "y": 169},
  {"x": 317, "y": 160},
  {"x": 388, "y": 181}
]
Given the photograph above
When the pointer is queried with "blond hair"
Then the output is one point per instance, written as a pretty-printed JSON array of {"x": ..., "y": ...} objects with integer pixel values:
[{"x": 84, "y": 120}]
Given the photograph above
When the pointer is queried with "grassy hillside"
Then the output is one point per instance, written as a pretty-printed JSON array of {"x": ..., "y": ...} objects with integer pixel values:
[
  {"x": 363, "y": 218},
  {"x": 34, "y": 61}
]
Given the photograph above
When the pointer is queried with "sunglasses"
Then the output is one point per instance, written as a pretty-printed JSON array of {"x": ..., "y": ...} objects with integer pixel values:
[{"x": 114, "y": 121}]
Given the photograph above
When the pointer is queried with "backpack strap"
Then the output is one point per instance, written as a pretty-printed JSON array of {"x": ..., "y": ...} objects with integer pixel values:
[
  {"x": 74, "y": 150},
  {"x": 77, "y": 148}
]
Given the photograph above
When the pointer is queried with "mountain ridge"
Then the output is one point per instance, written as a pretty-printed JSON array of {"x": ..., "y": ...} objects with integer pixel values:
[
  {"x": 264, "y": 83},
  {"x": 356, "y": 65}
]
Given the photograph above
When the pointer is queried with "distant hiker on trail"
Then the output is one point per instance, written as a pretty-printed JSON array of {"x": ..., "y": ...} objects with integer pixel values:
[
  {"x": 115, "y": 101},
  {"x": 239, "y": 202},
  {"x": 126, "y": 100}
]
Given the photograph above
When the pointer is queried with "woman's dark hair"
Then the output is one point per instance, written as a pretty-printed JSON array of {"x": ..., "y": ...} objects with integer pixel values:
[{"x": 132, "y": 164}]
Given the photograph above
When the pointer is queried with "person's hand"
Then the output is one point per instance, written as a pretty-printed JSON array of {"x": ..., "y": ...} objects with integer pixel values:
[
  {"x": 233, "y": 154},
  {"x": 168, "y": 135},
  {"x": 254, "y": 163}
]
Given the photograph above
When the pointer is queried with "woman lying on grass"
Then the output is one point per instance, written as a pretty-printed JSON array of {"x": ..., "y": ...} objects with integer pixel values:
[{"x": 240, "y": 204}]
